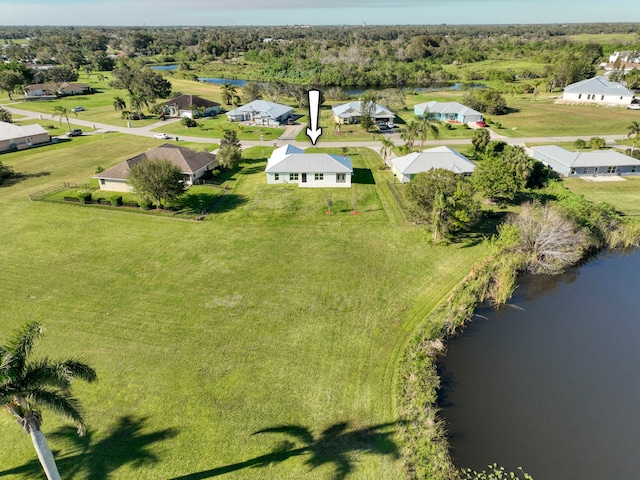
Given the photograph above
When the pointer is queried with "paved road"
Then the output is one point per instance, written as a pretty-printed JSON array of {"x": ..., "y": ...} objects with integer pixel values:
[{"x": 290, "y": 133}]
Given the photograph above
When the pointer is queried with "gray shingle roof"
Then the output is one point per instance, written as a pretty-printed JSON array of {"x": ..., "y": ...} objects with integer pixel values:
[
  {"x": 596, "y": 158},
  {"x": 299, "y": 162},
  {"x": 189, "y": 161},
  {"x": 262, "y": 108},
  {"x": 446, "y": 107},
  {"x": 438, "y": 157},
  {"x": 184, "y": 102},
  {"x": 9, "y": 131},
  {"x": 355, "y": 109},
  {"x": 599, "y": 86}
]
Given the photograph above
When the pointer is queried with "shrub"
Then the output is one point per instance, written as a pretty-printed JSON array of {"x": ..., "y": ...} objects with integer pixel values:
[
  {"x": 116, "y": 201},
  {"x": 85, "y": 197},
  {"x": 580, "y": 144},
  {"x": 188, "y": 122},
  {"x": 130, "y": 204},
  {"x": 146, "y": 204},
  {"x": 597, "y": 143}
]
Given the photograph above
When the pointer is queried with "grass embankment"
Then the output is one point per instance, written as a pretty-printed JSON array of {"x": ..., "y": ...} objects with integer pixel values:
[{"x": 269, "y": 313}]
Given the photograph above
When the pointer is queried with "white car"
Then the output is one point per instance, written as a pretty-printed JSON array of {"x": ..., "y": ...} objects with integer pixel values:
[
  {"x": 162, "y": 136},
  {"x": 77, "y": 109},
  {"x": 634, "y": 106}
]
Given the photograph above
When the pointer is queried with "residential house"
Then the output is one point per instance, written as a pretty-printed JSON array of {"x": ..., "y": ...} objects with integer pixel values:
[
  {"x": 408, "y": 166},
  {"x": 598, "y": 90},
  {"x": 580, "y": 164},
  {"x": 448, "y": 112},
  {"x": 352, "y": 111},
  {"x": 16, "y": 137},
  {"x": 192, "y": 164},
  {"x": 289, "y": 164},
  {"x": 66, "y": 88},
  {"x": 49, "y": 91},
  {"x": 191, "y": 106},
  {"x": 262, "y": 113}
]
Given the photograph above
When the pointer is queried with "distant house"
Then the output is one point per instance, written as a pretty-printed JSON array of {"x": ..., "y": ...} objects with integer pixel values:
[
  {"x": 407, "y": 167},
  {"x": 191, "y": 106},
  {"x": 598, "y": 90},
  {"x": 352, "y": 112},
  {"x": 16, "y": 137},
  {"x": 448, "y": 112},
  {"x": 289, "y": 164},
  {"x": 66, "y": 88},
  {"x": 192, "y": 164},
  {"x": 262, "y": 113},
  {"x": 580, "y": 164}
]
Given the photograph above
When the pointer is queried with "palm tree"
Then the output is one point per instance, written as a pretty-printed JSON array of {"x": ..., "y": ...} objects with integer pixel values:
[
  {"x": 61, "y": 111},
  {"x": 228, "y": 92},
  {"x": 385, "y": 150},
  {"x": 634, "y": 130},
  {"x": 136, "y": 101},
  {"x": 119, "y": 104},
  {"x": 410, "y": 132},
  {"x": 26, "y": 385},
  {"x": 427, "y": 126}
]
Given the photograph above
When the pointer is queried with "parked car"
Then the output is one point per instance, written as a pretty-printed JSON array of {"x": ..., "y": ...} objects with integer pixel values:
[
  {"x": 382, "y": 125},
  {"x": 76, "y": 132},
  {"x": 162, "y": 136},
  {"x": 77, "y": 109},
  {"x": 481, "y": 123},
  {"x": 634, "y": 106}
]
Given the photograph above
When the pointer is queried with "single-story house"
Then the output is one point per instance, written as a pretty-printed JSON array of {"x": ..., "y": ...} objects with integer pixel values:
[
  {"x": 16, "y": 137},
  {"x": 598, "y": 90},
  {"x": 191, "y": 106},
  {"x": 262, "y": 113},
  {"x": 407, "y": 167},
  {"x": 66, "y": 88},
  {"x": 289, "y": 164},
  {"x": 352, "y": 111},
  {"x": 192, "y": 164},
  {"x": 448, "y": 112},
  {"x": 581, "y": 164}
]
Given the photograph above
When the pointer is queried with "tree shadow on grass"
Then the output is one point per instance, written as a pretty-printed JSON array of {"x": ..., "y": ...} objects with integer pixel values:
[
  {"x": 20, "y": 177},
  {"x": 227, "y": 202},
  {"x": 334, "y": 446},
  {"x": 363, "y": 176},
  {"x": 124, "y": 444},
  {"x": 198, "y": 203}
]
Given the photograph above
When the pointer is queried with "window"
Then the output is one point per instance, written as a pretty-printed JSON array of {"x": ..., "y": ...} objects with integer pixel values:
[
  {"x": 633, "y": 169},
  {"x": 318, "y": 176},
  {"x": 293, "y": 177},
  {"x": 602, "y": 97},
  {"x": 579, "y": 95},
  {"x": 573, "y": 171},
  {"x": 341, "y": 177},
  {"x": 102, "y": 181},
  {"x": 612, "y": 170},
  {"x": 585, "y": 171},
  {"x": 276, "y": 176}
]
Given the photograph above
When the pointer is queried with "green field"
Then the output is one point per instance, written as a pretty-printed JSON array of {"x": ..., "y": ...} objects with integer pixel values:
[
  {"x": 270, "y": 313},
  {"x": 625, "y": 196}
]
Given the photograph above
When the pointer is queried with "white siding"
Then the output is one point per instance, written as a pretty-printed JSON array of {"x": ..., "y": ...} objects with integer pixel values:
[
  {"x": 597, "y": 99},
  {"x": 114, "y": 185}
]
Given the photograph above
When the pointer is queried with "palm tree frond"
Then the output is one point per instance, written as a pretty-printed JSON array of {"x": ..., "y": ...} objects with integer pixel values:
[
  {"x": 61, "y": 402},
  {"x": 22, "y": 344}
]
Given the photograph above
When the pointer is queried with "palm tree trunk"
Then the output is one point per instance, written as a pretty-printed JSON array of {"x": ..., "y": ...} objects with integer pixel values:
[{"x": 44, "y": 454}]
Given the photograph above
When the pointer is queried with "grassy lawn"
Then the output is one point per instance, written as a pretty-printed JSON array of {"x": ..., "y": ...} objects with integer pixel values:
[
  {"x": 269, "y": 313},
  {"x": 625, "y": 196},
  {"x": 215, "y": 127}
]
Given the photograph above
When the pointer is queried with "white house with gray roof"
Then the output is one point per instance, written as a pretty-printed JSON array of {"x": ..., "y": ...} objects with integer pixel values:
[
  {"x": 448, "y": 112},
  {"x": 598, "y": 90},
  {"x": 582, "y": 164},
  {"x": 16, "y": 137},
  {"x": 289, "y": 164},
  {"x": 352, "y": 111},
  {"x": 407, "y": 167},
  {"x": 262, "y": 113}
]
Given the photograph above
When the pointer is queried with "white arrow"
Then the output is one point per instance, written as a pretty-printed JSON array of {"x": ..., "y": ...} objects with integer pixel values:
[{"x": 314, "y": 104}]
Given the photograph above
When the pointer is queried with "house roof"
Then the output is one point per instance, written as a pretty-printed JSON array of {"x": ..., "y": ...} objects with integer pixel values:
[
  {"x": 354, "y": 109},
  {"x": 599, "y": 86},
  {"x": 73, "y": 86},
  {"x": 438, "y": 157},
  {"x": 9, "y": 131},
  {"x": 596, "y": 158},
  {"x": 184, "y": 102},
  {"x": 187, "y": 160},
  {"x": 446, "y": 108},
  {"x": 262, "y": 108},
  {"x": 299, "y": 162}
]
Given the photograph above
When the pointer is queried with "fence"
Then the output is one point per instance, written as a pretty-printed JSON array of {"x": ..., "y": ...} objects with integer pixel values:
[
  {"x": 399, "y": 198},
  {"x": 39, "y": 195}
]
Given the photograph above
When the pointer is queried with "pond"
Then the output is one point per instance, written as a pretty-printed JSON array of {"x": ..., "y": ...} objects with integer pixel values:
[{"x": 552, "y": 383}]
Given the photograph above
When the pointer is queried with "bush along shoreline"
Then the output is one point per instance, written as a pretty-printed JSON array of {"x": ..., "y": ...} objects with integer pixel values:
[{"x": 542, "y": 238}]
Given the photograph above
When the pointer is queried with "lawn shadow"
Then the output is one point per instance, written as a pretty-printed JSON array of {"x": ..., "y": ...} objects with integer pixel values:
[
  {"x": 198, "y": 203},
  {"x": 124, "y": 444},
  {"x": 334, "y": 446},
  {"x": 363, "y": 176},
  {"x": 227, "y": 202},
  {"x": 20, "y": 177}
]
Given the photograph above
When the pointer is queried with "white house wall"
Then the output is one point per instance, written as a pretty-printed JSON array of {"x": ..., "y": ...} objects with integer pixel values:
[
  {"x": 597, "y": 99},
  {"x": 328, "y": 181},
  {"x": 114, "y": 185}
]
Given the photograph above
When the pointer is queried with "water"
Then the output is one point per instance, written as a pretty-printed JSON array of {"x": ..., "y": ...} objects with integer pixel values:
[
  {"x": 164, "y": 67},
  {"x": 220, "y": 81},
  {"x": 554, "y": 388}
]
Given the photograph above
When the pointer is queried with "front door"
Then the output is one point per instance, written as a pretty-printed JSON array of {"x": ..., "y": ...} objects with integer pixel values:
[{"x": 304, "y": 178}]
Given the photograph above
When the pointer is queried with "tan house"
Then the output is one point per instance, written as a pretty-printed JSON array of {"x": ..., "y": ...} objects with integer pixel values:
[
  {"x": 15, "y": 137},
  {"x": 192, "y": 164},
  {"x": 49, "y": 91},
  {"x": 191, "y": 106}
]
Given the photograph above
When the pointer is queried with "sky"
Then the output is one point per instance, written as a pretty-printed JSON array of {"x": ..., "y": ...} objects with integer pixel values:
[{"x": 308, "y": 12}]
